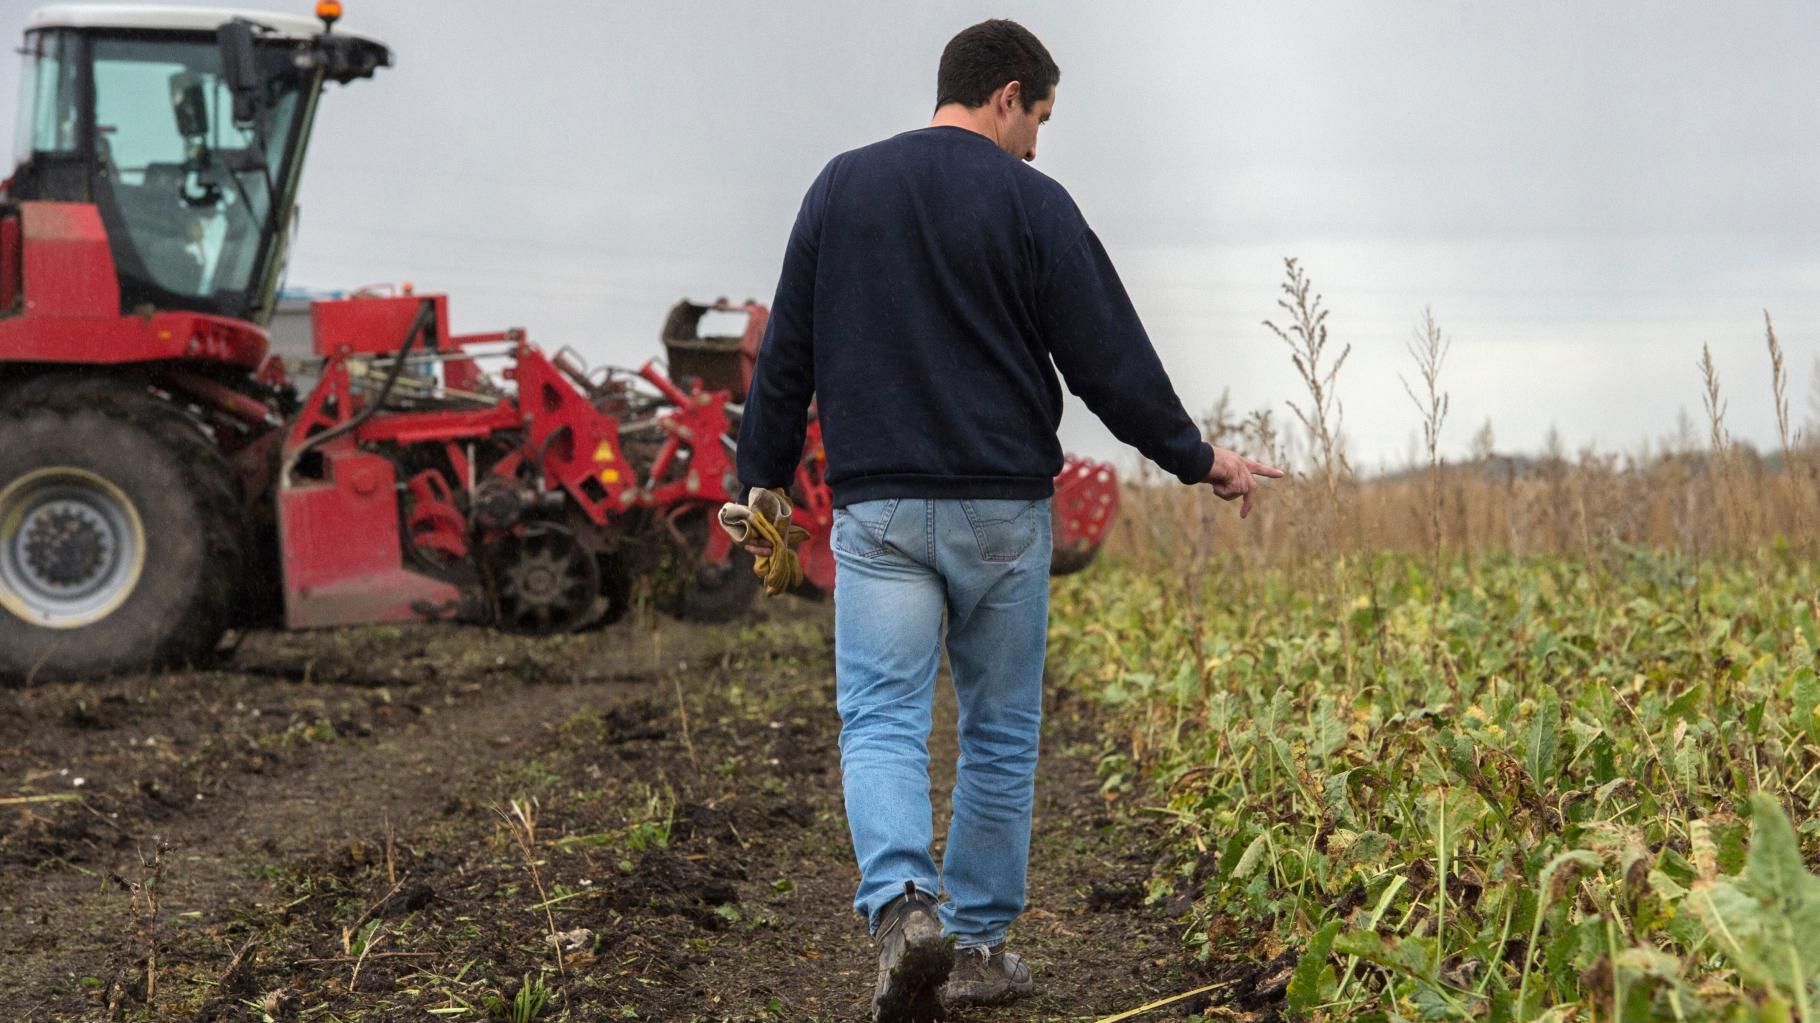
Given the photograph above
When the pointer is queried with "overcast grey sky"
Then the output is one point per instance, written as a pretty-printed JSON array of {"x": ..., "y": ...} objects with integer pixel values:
[{"x": 1584, "y": 193}]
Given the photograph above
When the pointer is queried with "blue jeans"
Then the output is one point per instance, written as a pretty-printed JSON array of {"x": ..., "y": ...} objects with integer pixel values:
[{"x": 901, "y": 565}]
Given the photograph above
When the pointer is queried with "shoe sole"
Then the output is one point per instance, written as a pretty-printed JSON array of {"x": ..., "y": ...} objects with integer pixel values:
[
  {"x": 914, "y": 993},
  {"x": 983, "y": 993}
]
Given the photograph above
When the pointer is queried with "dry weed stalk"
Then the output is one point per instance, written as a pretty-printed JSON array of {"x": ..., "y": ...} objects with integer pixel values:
[
  {"x": 1778, "y": 386},
  {"x": 521, "y": 817},
  {"x": 1691, "y": 493},
  {"x": 1260, "y": 431},
  {"x": 1662, "y": 499},
  {"x": 1794, "y": 486},
  {"x": 144, "y": 893},
  {"x": 1719, "y": 476},
  {"x": 1429, "y": 350},
  {"x": 1715, "y": 402},
  {"x": 682, "y": 711},
  {"x": 1307, "y": 339},
  {"x": 1813, "y": 407}
]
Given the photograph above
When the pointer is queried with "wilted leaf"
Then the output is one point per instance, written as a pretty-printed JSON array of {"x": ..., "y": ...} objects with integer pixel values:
[
  {"x": 1411, "y": 956},
  {"x": 1686, "y": 707}
]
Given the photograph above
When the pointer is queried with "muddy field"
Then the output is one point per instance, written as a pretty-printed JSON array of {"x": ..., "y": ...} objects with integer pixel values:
[{"x": 445, "y": 823}]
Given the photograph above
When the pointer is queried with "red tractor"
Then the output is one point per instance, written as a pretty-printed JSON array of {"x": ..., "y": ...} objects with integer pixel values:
[{"x": 160, "y": 479}]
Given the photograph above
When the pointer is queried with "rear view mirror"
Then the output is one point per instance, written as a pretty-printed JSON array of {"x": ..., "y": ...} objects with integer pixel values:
[
  {"x": 188, "y": 104},
  {"x": 240, "y": 68}
]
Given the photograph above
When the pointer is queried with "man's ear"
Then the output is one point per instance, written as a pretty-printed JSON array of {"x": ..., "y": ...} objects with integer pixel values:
[{"x": 1010, "y": 94}]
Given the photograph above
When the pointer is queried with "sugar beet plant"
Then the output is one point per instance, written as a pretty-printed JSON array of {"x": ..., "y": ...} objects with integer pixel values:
[{"x": 1525, "y": 789}]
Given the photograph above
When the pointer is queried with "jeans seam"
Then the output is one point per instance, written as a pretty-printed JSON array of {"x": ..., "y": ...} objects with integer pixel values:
[
  {"x": 979, "y": 542},
  {"x": 877, "y": 546}
]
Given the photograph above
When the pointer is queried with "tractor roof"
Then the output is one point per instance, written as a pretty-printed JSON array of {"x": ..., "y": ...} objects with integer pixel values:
[{"x": 169, "y": 18}]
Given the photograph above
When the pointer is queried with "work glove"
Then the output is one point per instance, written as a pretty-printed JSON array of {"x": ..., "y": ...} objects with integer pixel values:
[{"x": 765, "y": 519}]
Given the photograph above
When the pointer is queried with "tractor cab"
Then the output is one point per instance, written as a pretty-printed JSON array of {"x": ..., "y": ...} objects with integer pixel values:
[{"x": 185, "y": 128}]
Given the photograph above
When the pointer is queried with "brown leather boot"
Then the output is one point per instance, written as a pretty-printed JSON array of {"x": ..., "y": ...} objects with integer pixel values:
[
  {"x": 987, "y": 975},
  {"x": 913, "y": 960}
]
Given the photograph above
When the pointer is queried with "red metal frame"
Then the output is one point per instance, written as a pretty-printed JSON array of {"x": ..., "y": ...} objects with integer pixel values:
[
  {"x": 10, "y": 262},
  {"x": 699, "y": 423},
  {"x": 573, "y": 444},
  {"x": 71, "y": 308}
]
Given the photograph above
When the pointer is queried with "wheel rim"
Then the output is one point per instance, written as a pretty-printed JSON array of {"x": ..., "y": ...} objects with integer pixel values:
[
  {"x": 72, "y": 547},
  {"x": 547, "y": 580}
]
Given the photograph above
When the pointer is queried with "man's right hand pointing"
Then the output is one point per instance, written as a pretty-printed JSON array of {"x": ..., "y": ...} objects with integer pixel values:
[{"x": 1231, "y": 477}]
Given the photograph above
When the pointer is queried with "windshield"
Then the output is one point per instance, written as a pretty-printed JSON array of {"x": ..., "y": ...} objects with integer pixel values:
[{"x": 192, "y": 190}]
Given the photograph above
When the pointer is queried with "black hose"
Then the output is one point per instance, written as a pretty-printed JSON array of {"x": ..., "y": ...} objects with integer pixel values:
[
  {"x": 426, "y": 311},
  {"x": 544, "y": 449}
]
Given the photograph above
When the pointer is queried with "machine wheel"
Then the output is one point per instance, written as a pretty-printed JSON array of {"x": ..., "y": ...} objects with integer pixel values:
[
  {"x": 615, "y": 588},
  {"x": 120, "y": 535},
  {"x": 544, "y": 580},
  {"x": 710, "y": 593},
  {"x": 1069, "y": 560},
  {"x": 720, "y": 593}
]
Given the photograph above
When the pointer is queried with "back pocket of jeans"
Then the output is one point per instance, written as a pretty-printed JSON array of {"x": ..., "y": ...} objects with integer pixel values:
[
  {"x": 859, "y": 528},
  {"x": 1003, "y": 529}
]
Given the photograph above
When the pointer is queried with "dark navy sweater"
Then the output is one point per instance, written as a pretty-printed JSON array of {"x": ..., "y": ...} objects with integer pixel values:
[{"x": 932, "y": 286}]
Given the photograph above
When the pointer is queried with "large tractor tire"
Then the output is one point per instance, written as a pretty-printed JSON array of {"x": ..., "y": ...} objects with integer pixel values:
[{"x": 120, "y": 532}]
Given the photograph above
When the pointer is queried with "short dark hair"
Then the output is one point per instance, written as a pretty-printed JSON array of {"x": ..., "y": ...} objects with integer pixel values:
[{"x": 982, "y": 58}]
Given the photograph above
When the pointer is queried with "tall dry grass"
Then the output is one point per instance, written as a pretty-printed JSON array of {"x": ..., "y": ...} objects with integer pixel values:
[{"x": 1698, "y": 491}]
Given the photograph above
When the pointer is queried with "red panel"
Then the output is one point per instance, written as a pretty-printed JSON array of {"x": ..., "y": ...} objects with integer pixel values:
[
  {"x": 69, "y": 270},
  {"x": 114, "y": 339},
  {"x": 10, "y": 256},
  {"x": 370, "y": 326},
  {"x": 343, "y": 560},
  {"x": 72, "y": 302}
]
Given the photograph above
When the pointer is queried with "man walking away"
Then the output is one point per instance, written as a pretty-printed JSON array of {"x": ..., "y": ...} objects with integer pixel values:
[{"x": 933, "y": 285}]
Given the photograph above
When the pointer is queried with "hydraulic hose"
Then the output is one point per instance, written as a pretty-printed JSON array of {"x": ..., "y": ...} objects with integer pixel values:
[{"x": 426, "y": 311}]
